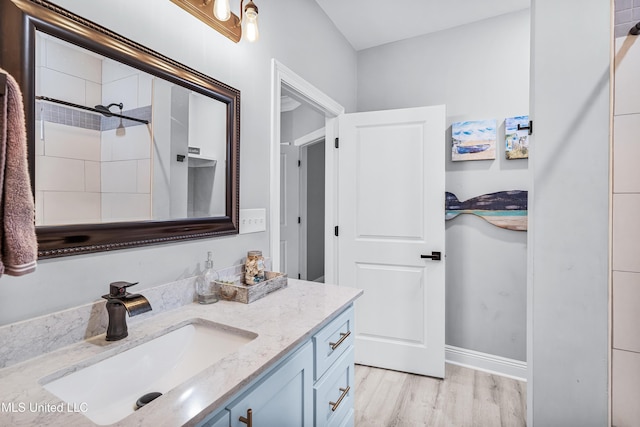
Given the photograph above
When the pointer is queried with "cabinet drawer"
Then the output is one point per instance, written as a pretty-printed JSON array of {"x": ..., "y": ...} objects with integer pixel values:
[
  {"x": 333, "y": 394},
  {"x": 349, "y": 420},
  {"x": 332, "y": 341}
]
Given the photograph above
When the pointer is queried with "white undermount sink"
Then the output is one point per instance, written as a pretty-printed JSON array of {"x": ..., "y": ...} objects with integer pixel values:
[{"x": 107, "y": 391}]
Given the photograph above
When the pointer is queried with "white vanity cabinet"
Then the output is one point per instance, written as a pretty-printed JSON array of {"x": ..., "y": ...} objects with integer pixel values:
[{"x": 313, "y": 386}]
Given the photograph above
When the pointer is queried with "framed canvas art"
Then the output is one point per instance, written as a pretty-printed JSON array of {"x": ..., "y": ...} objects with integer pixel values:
[
  {"x": 473, "y": 140},
  {"x": 516, "y": 140}
]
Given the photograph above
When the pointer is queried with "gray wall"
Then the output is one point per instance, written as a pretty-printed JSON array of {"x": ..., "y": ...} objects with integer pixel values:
[
  {"x": 326, "y": 60},
  {"x": 569, "y": 216},
  {"x": 625, "y": 236},
  {"x": 480, "y": 71}
]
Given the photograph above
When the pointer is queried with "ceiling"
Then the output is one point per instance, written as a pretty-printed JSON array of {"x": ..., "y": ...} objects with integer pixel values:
[{"x": 369, "y": 23}]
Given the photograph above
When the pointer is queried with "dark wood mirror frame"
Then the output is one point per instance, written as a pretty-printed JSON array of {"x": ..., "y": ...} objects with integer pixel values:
[{"x": 19, "y": 20}]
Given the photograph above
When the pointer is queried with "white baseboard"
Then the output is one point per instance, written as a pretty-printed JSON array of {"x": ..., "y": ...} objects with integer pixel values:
[{"x": 486, "y": 362}]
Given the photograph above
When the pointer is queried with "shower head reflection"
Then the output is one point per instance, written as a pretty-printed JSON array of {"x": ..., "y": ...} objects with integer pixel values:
[{"x": 105, "y": 111}]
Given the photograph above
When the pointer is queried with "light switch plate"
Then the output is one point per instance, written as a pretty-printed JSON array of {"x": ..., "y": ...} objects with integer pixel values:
[{"x": 253, "y": 220}]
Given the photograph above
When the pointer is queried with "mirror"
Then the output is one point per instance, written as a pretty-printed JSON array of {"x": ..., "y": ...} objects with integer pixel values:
[
  {"x": 161, "y": 157},
  {"x": 127, "y": 147}
]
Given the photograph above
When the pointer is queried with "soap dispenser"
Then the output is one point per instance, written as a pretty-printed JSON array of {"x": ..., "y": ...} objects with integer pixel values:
[{"x": 206, "y": 287}]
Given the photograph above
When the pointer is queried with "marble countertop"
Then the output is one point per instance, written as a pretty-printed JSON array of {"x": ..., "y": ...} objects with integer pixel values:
[{"x": 281, "y": 320}]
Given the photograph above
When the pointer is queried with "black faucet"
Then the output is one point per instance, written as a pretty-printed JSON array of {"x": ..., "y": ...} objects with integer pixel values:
[{"x": 119, "y": 301}]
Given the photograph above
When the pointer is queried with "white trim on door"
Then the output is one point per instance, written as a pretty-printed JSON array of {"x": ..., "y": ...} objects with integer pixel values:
[
  {"x": 281, "y": 75},
  {"x": 310, "y": 138}
]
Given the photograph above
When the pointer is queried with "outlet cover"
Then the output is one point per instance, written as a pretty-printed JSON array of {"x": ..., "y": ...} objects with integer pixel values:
[{"x": 253, "y": 220}]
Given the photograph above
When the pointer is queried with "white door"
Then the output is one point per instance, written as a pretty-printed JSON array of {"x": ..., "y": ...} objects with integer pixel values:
[{"x": 390, "y": 214}]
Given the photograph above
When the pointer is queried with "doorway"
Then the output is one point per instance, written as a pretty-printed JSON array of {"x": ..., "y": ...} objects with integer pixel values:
[
  {"x": 286, "y": 82},
  {"x": 302, "y": 183},
  {"x": 312, "y": 181},
  {"x": 397, "y": 136}
]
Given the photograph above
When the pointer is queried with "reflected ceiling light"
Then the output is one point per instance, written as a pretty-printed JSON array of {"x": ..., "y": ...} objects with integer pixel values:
[{"x": 220, "y": 17}]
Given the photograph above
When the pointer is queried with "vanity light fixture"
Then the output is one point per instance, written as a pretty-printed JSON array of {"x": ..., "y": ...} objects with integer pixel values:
[
  {"x": 217, "y": 14},
  {"x": 221, "y": 10}
]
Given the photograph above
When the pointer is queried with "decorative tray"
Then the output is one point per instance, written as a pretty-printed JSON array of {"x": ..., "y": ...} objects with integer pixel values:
[{"x": 238, "y": 291}]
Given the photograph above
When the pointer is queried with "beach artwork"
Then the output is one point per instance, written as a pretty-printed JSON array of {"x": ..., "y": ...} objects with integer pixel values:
[
  {"x": 474, "y": 140},
  {"x": 504, "y": 209},
  {"x": 517, "y": 141}
]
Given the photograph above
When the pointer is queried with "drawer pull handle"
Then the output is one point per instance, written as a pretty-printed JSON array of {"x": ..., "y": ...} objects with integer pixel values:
[
  {"x": 249, "y": 420},
  {"x": 343, "y": 336},
  {"x": 334, "y": 405}
]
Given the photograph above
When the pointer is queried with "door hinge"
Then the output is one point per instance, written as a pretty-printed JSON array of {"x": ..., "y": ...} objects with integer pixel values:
[
  {"x": 299, "y": 277},
  {"x": 335, "y": 231},
  {"x": 299, "y": 220},
  {"x": 299, "y": 163},
  {"x": 337, "y": 143},
  {"x": 529, "y": 128}
]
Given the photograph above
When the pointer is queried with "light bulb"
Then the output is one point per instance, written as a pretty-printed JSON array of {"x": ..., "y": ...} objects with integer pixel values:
[
  {"x": 251, "y": 26},
  {"x": 221, "y": 10}
]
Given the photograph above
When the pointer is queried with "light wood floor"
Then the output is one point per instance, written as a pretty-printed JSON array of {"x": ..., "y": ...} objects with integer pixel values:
[{"x": 465, "y": 398}]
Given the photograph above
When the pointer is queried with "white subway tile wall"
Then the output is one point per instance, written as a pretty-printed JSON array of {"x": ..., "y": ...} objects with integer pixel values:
[
  {"x": 120, "y": 176},
  {"x": 92, "y": 177},
  {"x": 86, "y": 207},
  {"x": 59, "y": 174},
  {"x": 626, "y": 173},
  {"x": 72, "y": 142},
  {"x": 626, "y": 228},
  {"x": 626, "y": 371},
  {"x": 72, "y": 61},
  {"x": 626, "y": 315},
  {"x": 39, "y": 199},
  {"x": 125, "y": 207},
  {"x": 79, "y": 155},
  {"x": 62, "y": 86},
  {"x": 145, "y": 89},
  {"x": 135, "y": 146},
  {"x": 626, "y": 232},
  {"x": 123, "y": 91},
  {"x": 113, "y": 71},
  {"x": 144, "y": 176}
]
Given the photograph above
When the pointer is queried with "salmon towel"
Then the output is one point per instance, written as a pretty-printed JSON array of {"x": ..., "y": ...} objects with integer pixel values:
[{"x": 18, "y": 242}]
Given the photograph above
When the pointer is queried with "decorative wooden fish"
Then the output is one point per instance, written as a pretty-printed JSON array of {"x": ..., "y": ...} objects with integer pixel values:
[{"x": 505, "y": 209}]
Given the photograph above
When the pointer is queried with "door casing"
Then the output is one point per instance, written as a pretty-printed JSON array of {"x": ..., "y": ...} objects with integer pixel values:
[{"x": 283, "y": 76}]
